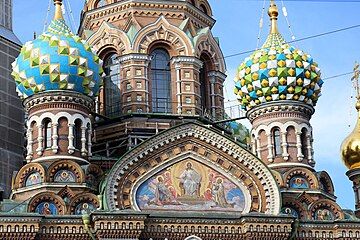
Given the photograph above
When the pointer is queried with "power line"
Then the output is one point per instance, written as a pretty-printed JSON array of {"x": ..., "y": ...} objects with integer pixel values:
[{"x": 298, "y": 40}]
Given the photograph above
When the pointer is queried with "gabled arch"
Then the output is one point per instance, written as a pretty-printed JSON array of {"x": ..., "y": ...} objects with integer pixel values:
[
  {"x": 163, "y": 31},
  {"x": 108, "y": 36},
  {"x": 205, "y": 42},
  {"x": 220, "y": 152},
  {"x": 325, "y": 179}
]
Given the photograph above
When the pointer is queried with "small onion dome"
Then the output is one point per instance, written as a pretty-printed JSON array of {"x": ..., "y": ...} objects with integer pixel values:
[
  {"x": 276, "y": 72},
  {"x": 57, "y": 60},
  {"x": 350, "y": 148}
]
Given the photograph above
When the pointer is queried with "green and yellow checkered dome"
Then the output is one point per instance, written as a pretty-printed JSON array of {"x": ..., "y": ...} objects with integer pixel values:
[
  {"x": 57, "y": 60},
  {"x": 277, "y": 72}
]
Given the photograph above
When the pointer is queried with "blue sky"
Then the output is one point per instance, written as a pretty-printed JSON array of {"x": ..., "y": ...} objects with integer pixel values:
[{"x": 237, "y": 27}]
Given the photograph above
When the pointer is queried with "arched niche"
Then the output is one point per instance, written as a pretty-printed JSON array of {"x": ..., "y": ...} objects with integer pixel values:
[
  {"x": 200, "y": 144},
  {"x": 189, "y": 182}
]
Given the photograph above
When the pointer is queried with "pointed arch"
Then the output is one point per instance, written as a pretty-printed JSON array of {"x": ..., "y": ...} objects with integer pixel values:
[{"x": 163, "y": 31}]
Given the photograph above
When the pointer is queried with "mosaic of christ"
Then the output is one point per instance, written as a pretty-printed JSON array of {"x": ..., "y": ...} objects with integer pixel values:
[{"x": 189, "y": 185}]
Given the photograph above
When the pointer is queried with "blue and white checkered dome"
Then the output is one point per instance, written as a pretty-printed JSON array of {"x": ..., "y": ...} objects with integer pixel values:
[{"x": 57, "y": 60}]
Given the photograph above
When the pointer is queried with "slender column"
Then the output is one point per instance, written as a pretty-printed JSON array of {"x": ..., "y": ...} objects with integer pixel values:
[
  {"x": 83, "y": 141},
  {"x": 284, "y": 146},
  {"x": 178, "y": 90},
  {"x": 212, "y": 94},
  {"x": 71, "y": 147},
  {"x": 40, "y": 139},
  {"x": 29, "y": 144},
  {"x": 309, "y": 148},
  {"x": 270, "y": 148},
  {"x": 97, "y": 105},
  {"x": 258, "y": 150},
  {"x": 55, "y": 137},
  {"x": 89, "y": 142},
  {"x": 298, "y": 145},
  {"x": 253, "y": 144}
]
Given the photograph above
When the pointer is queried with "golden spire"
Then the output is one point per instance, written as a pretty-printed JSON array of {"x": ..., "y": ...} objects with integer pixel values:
[
  {"x": 273, "y": 14},
  {"x": 58, "y": 11},
  {"x": 350, "y": 148}
]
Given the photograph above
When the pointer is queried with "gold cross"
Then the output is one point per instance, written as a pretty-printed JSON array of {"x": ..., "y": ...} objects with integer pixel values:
[{"x": 355, "y": 79}]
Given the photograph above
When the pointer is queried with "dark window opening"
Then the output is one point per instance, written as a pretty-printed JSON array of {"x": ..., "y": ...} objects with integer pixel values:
[
  {"x": 277, "y": 142},
  {"x": 112, "y": 85},
  {"x": 47, "y": 133},
  {"x": 161, "y": 81}
]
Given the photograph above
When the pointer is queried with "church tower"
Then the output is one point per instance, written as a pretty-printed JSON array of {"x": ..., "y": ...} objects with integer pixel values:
[
  {"x": 279, "y": 86},
  {"x": 57, "y": 77},
  {"x": 163, "y": 66}
]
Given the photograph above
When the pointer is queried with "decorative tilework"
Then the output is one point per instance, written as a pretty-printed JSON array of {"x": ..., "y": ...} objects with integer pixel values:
[
  {"x": 57, "y": 60},
  {"x": 278, "y": 71}
]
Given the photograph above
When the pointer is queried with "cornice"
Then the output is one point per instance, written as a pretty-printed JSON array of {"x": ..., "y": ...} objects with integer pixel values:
[{"x": 285, "y": 106}]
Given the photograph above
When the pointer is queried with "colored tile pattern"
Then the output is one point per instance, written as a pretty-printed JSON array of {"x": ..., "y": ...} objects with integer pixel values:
[
  {"x": 57, "y": 60},
  {"x": 275, "y": 72}
]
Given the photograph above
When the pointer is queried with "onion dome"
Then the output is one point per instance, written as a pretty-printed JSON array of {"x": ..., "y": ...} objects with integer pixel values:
[
  {"x": 350, "y": 148},
  {"x": 277, "y": 72},
  {"x": 57, "y": 60}
]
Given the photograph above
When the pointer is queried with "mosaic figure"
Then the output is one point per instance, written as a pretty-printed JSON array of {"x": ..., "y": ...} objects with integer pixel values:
[
  {"x": 197, "y": 187},
  {"x": 84, "y": 208},
  {"x": 33, "y": 179},
  {"x": 46, "y": 208},
  {"x": 64, "y": 176},
  {"x": 298, "y": 183}
]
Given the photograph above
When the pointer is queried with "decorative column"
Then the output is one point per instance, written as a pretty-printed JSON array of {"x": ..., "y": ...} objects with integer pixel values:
[
  {"x": 178, "y": 87},
  {"x": 300, "y": 156},
  {"x": 354, "y": 176},
  {"x": 270, "y": 148},
  {"x": 89, "y": 141},
  {"x": 253, "y": 144},
  {"x": 212, "y": 94},
  {"x": 29, "y": 144},
  {"x": 83, "y": 140},
  {"x": 40, "y": 138},
  {"x": 258, "y": 150},
  {"x": 71, "y": 147},
  {"x": 54, "y": 137},
  {"x": 284, "y": 146}
]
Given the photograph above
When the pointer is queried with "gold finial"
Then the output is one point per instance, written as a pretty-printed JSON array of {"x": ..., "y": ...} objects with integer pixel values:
[
  {"x": 58, "y": 10},
  {"x": 350, "y": 147},
  {"x": 273, "y": 14}
]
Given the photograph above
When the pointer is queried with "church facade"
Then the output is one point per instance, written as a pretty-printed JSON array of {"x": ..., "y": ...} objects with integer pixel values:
[{"x": 126, "y": 137}]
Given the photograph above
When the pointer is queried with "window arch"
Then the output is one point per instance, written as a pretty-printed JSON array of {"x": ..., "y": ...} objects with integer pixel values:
[
  {"x": 303, "y": 138},
  {"x": 47, "y": 133},
  {"x": 77, "y": 134},
  {"x": 203, "y": 9},
  {"x": 112, "y": 85},
  {"x": 100, "y": 3},
  {"x": 277, "y": 141},
  {"x": 161, "y": 81}
]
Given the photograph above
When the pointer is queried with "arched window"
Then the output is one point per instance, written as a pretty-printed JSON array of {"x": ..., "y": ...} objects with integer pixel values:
[
  {"x": 47, "y": 133},
  {"x": 100, "y": 3},
  {"x": 303, "y": 138},
  {"x": 203, "y": 9},
  {"x": 277, "y": 142},
  {"x": 112, "y": 85},
  {"x": 204, "y": 83},
  {"x": 77, "y": 134},
  {"x": 161, "y": 81}
]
